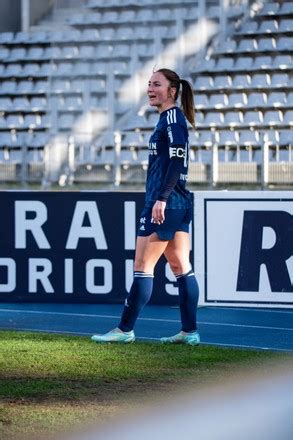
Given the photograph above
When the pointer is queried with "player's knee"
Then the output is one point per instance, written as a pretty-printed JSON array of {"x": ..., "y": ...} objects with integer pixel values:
[
  {"x": 179, "y": 267},
  {"x": 142, "y": 265}
]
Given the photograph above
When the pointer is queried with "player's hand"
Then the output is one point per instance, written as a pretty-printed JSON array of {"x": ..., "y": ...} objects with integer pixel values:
[{"x": 158, "y": 212}]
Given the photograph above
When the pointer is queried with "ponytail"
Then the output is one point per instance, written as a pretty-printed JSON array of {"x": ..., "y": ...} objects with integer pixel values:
[{"x": 187, "y": 100}]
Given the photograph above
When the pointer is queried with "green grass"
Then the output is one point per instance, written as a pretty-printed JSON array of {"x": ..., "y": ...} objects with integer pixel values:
[{"x": 50, "y": 383}]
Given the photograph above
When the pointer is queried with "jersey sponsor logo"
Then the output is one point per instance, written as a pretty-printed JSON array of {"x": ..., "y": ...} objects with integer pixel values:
[
  {"x": 183, "y": 177},
  {"x": 170, "y": 134},
  {"x": 171, "y": 116},
  {"x": 153, "y": 148},
  {"x": 177, "y": 152}
]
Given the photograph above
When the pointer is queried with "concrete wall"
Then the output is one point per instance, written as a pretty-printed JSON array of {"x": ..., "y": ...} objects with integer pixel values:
[{"x": 10, "y": 16}]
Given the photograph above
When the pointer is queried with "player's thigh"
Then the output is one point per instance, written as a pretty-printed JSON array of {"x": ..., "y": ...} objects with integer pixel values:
[
  {"x": 177, "y": 252},
  {"x": 148, "y": 251}
]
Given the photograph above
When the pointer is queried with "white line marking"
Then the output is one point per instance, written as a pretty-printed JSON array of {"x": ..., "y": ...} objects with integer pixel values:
[
  {"x": 248, "y": 309},
  {"x": 151, "y": 339},
  {"x": 87, "y": 315}
]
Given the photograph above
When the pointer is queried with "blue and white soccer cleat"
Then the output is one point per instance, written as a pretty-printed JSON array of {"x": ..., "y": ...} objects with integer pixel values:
[
  {"x": 115, "y": 335},
  {"x": 191, "y": 338}
]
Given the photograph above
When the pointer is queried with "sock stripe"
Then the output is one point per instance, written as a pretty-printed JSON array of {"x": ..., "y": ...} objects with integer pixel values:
[
  {"x": 187, "y": 274},
  {"x": 143, "y": 275}
]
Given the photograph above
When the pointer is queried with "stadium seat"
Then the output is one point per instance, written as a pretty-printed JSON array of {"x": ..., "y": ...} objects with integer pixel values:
[
  {"x": 249, "y": 138},
  {"x": 47, "y": 69},
  {"x": 236, "y": 100},
  {"x": 30, "y": 69},
  {"x": 228, "y": 46},
  {"x": 252, "y": 118},
  {"x": 266, "y": 44},
  {"x": 202, "y": 83},
  {"x": 288, "y": 118},
  {"x": 278, "y": 99},
  {"x": 13, "y": 70},
  {"x": 243, "y": 63},
  {"x": 285, "y": 44},
  {"x": 262, "y": 62},
  {"x": 64, "y": 69},
  {"x": 72, "y": 103},
  {"x": 14, "y": 121},
  {"x": 25, "y": 87},
  {"x": 268, "y": 26},
  {"x": 279, "y": 80},
  {"x": 38, "y": 103},
  {"x": 286, "y": 138},
  {"x": 224, "y": 64},
  {"x": 247, "y": 45},
  {"x": 35, "y": 53},
  {"x": 201, "y": 100},
  {"x": 213, "y": 119},
  {"x": 4, "y": 53},
  {"x": 52, "y": 53},
  {"x": 41, "y": 87},
  {"x": 282, "y": 62},
  {"x": 241, "y": 81},
  {"x": 69, "y": 52},
  {"x": 233, "y": 118},
  {"x": 273, "y": 118},
  {"x": 271, "y": 137},
  {"x": 218, "y": 101},
  {"x": 5, "y": 104},
  {"x": 21, "y": 37},
  {"x": 32, "y": 121},
  {"x": 260, "y": 80},
  {"x": 256, "y": 100},
  {"x": 21, "y": 104},
  {"x": 286, "y": 8},
  {"x": 285, "y": 25},
  {"x": 66, "y": 121},
  {"x": 270, "y": 8},
  {"x": 6, "y": 37},
  {"x": 228, "y": 138},
  {"x": 249, "y": 27},
  {"x": 17, "y": 54},
  {"x": 125, "y": 33},
  {"x": 222, "y": 82},
  {"x": 203, "y": 138},
  {"x": 8, "y": 87}
]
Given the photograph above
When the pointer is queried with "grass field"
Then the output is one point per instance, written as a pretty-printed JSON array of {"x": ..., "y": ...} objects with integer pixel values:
[{"x": 52, "y": 384}]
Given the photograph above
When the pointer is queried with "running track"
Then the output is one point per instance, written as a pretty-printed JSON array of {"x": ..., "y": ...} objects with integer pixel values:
[{"x": 256, "y": 328}]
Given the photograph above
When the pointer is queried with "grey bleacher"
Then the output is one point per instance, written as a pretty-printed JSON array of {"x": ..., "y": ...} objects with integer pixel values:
[
  {"x": 55, "y": 81},
  {"x": 243, "y": 91}
]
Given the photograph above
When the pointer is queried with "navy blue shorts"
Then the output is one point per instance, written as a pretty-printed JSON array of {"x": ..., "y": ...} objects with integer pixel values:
[{"x": 175, "y": 220}]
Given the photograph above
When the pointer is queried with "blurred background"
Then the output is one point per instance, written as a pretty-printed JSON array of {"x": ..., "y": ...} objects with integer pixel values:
[{"x": 73, "y": 77}]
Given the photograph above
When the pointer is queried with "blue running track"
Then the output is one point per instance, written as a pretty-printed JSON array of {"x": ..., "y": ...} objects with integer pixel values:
[{"x": 255, "y": 328}]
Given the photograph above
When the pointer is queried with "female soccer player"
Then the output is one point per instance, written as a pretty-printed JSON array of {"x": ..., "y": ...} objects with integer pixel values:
[{"x": 164, "y": 221}]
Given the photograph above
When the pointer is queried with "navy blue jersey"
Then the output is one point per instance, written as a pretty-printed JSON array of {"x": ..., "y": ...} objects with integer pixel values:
[{"x": 169, "y": 142}]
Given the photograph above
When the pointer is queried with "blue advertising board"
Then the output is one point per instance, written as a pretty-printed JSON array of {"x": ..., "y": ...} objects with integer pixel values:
[{"x": 73, "y": 247}]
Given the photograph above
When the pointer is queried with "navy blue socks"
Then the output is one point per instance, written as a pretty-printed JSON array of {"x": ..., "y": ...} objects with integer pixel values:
[
  {"x": 188, "y": 299},
  {"x": 139, "y": 295}
]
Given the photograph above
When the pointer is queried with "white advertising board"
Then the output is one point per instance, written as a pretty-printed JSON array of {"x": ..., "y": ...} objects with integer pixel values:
[{"x": 244, "y": 248}]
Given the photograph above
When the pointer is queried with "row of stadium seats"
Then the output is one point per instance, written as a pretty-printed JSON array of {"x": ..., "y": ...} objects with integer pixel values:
[
  {"x": 259, "y": 100},
  {"x": 246, "y": 81},
  {"x": 77, "y": 52},
  {"x": 262, "y": 26},
  {"x": 242, "y": 90},
  {"x": 276, "y": 8},
  {"x": 139, "y": 140},
  {"x": 83, "y": 36}
]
